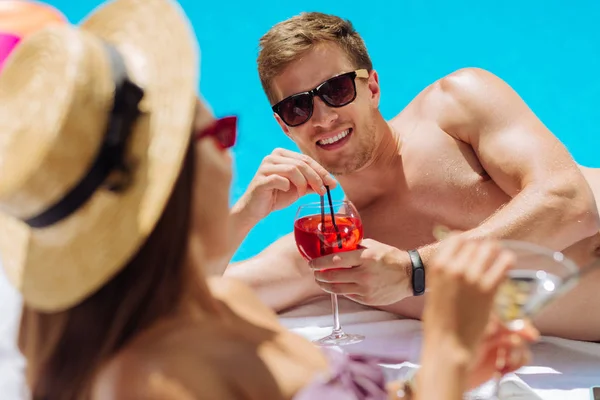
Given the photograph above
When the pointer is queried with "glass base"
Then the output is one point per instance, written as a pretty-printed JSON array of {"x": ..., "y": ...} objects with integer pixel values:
[{"x": 339, "y": 339}]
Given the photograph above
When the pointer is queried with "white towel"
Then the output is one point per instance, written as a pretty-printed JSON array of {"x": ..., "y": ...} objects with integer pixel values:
[{"x": 559, "y": 370}]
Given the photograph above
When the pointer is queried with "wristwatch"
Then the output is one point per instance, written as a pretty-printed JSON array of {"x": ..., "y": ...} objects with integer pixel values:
[{"x": 418, "y": 273}]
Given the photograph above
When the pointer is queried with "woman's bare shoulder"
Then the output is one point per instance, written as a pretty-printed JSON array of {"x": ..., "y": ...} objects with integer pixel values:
[
  {"x": 209, "y": 362},
  {"x": 131, "y": 377}
]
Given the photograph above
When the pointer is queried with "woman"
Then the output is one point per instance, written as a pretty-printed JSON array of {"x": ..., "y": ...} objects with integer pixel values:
[{"x": 114, "y": 192}]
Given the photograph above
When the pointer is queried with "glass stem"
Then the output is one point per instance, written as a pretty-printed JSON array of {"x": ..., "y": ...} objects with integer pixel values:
[
  {"x": 337, "y": 328},
  {"x": 500, "y": 365}
]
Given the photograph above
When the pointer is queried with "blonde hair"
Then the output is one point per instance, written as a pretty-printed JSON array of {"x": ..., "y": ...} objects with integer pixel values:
[{"x": 287, "y": 41}]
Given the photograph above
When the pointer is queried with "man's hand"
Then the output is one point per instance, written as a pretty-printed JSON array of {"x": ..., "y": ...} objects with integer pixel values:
[
  {"x": 375, "y": 274},
  {"x": 282, "y": 178}
]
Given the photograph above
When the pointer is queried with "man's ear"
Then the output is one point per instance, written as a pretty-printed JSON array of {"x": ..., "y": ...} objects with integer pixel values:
[
  {"x": 374, "y": 89},
  {"x": 284, "y": 127}
]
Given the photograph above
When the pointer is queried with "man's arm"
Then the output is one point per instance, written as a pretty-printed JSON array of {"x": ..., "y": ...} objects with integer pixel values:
[
  {"x": 279, "y": 275},
  {"x": 282, "y": 178},
  {"x": 240, "y": 226},
  {"x": 552, "y": 203}
]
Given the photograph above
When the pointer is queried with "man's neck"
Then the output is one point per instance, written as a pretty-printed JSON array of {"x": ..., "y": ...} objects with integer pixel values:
[{"x": 380, "y": 174}]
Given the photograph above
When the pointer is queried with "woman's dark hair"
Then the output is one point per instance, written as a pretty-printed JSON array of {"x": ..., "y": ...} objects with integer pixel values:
[{"x": 65, "y": 350}]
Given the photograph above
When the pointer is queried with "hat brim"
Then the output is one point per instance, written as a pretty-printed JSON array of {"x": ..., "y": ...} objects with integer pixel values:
[{"x": 57, "y": 267}]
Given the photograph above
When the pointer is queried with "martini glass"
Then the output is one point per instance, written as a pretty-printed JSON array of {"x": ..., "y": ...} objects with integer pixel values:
[
  {"x": 539, "y": 276},
  {"x": 320, "y": 232}
]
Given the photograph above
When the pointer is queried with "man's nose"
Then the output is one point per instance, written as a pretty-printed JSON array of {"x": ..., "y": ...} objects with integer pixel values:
[{"x": 323, "y": 115}]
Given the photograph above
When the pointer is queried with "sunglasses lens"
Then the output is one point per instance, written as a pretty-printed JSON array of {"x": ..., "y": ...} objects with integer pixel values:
[
  {"x": 226, "y": 132},
  {"x": 338, "y": 91},
  {"x": 296, "y": 110}
]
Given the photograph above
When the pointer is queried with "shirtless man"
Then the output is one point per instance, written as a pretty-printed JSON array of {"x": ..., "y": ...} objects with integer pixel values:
[{"x": 467, "y": 153}]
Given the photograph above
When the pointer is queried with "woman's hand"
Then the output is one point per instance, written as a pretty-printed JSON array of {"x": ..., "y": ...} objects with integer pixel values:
[
  {"x": 462, "y": 338},
  {"x": 497, "y": 341},
  {"x": 463, "y": 279}
]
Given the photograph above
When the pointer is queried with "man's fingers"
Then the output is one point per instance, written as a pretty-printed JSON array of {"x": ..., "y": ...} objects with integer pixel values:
[
  {"x": 276, "y": 182},
  {"x": 341, "y": 288},
  {"x": 290, "y": 172},
  {"x": 325, "y": 176},
  {"x": 314, "y": 179},
  {"x": 345, "y": 275},
  {"x": 347, "y": 259}
]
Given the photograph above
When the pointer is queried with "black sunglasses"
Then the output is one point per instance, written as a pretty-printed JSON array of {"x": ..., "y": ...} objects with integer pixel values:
[{"x": 335, "y": 92}]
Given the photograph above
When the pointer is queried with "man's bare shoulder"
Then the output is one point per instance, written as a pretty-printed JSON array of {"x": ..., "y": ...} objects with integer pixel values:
[
  {"x": 463, "y": 100},
  {"x": 467, "y": 84}
]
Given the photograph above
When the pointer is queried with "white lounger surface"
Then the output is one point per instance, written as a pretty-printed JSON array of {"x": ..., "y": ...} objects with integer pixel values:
[{"x": 559, "y": 370}]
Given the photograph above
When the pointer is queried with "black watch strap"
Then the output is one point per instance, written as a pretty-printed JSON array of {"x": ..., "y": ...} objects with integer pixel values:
[{"x": 418, "y": 273}]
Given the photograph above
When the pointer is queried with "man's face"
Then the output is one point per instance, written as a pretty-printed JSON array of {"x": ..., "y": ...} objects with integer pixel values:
[{"x": 322, "y": 136}]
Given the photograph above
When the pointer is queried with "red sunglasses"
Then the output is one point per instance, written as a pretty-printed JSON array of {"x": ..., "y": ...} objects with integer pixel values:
[{"x": 224, "y": 130}]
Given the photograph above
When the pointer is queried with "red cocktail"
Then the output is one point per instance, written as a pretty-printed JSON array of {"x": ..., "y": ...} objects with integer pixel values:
[
  {"x": 320, "y": 231},
  {"x": 316, "y": 238}
]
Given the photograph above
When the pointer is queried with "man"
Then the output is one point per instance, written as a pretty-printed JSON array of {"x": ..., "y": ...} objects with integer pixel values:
[{"x": 466, "y": 153}]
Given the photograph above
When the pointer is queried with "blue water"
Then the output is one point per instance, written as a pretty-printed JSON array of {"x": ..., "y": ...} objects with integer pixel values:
[{"x": 548, "y": 50}]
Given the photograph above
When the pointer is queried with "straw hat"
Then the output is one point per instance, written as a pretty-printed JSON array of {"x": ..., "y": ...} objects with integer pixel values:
[{"x": 67, "y": 97}]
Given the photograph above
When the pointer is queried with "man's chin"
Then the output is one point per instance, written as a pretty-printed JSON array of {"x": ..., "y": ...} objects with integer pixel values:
[
  {"x": 333, "y": 168},
  {"x": 339, "y": 170},
  {"x": 342, "y": 164},
  {"x": 347, "y": 168}
]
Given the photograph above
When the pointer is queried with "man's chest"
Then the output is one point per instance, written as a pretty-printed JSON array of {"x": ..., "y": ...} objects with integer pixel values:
[{"x": 451, "y": 194}]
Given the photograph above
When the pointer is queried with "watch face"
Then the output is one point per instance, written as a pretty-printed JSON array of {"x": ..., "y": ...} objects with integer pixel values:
[
  {"x": 419, "y": 280},
  {"x": 418, "y": 273}
]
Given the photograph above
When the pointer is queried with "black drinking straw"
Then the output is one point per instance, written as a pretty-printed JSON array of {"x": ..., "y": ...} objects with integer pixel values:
[
  {"x": 339, "y": 238},
  {"x": 322, "y": 250}
]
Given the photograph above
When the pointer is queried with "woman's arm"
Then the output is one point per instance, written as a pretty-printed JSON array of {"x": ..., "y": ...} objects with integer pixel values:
[
  {"x": 444, "y": 371},
  {"x": 443, "y": 375},
  {"x": 461, "y": 336}
]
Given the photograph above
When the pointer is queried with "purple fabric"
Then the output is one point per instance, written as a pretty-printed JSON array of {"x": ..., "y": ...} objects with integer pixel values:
[
  {"x": 350, "y": 377},
  {"x": 7, "y": 43}
]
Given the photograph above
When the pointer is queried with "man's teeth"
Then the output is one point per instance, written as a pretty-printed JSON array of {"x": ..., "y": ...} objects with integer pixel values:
[{"x": 336, "y": 138}]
